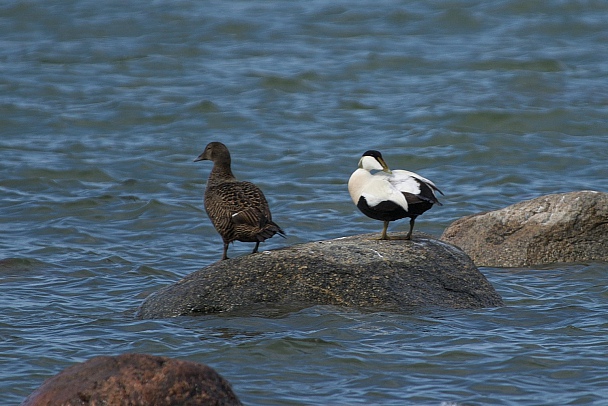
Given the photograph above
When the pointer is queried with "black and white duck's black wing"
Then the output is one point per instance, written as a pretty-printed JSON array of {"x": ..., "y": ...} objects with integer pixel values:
[{"x": 413, "y": 186}]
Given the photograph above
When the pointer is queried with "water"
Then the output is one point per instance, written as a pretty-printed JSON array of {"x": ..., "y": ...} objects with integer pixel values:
[{"x": 104, "y": 105}]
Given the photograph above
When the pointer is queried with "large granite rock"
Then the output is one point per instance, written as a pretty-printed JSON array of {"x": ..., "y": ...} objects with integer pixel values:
[
  {"x": 134, "y": 379},
  {"x": 359, "y": 271},
  {"x": 567, "y": 227}
]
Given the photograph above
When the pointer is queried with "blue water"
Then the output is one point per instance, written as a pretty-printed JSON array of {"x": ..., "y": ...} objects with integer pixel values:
[{"x": 104, "y": 105}]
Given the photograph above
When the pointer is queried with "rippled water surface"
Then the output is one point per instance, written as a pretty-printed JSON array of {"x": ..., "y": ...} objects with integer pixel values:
[{"x": 104, "y": 105}]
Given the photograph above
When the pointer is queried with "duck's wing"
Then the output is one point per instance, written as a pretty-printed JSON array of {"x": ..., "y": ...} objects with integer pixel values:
[
  {"x": 411, "y": 184},
  {"x": 380, "y": 190},
  {"x": 239, "y": 203}
]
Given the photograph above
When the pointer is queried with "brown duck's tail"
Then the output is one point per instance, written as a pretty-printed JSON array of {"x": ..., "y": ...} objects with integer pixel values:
[
  {"x": 269, "y": 229},
  {"x": 256, "y": 221}
]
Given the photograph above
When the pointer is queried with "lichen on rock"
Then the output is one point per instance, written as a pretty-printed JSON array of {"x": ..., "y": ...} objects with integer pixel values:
[
  {"x": 565, "y": 227},
  {"x": 359, "y": 271}
]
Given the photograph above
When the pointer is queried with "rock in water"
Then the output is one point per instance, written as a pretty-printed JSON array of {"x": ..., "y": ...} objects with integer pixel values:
[
  {"x": 359, "y": 271},
  {"x": 135, "y": 379},
  {"x": 566, "y": 227}
]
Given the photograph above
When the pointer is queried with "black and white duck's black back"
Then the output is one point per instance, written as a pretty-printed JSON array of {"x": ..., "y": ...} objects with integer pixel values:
[{"x": 238, "y": 209}]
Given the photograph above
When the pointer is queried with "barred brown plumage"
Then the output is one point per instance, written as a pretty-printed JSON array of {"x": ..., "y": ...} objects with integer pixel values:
[{"x": 238, "y": 209}]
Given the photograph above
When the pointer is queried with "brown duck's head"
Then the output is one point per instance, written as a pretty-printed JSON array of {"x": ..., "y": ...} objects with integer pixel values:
[{"x": 216, "y": 152}]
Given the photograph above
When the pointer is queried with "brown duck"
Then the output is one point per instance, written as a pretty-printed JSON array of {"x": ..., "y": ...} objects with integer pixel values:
[{"x": 238, "y": 210}]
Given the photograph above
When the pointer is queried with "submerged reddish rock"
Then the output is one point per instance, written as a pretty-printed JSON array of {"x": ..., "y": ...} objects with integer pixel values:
[{"x": 135, "y": 379}]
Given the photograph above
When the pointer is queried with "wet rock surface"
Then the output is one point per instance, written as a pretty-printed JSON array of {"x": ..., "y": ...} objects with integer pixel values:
[
  {"x": 358, "y": 271},
  {"x": 566, "y": 227},
  {"x": 135, "y": 379}
]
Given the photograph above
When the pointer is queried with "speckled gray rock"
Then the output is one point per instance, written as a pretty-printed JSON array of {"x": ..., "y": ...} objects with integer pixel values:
[
  {"x": 359, "y": 271},
  {"x": 567, "y": 227}
]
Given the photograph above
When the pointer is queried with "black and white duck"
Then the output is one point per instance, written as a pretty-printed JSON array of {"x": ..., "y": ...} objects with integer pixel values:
[{"x": 387, "y": 195}]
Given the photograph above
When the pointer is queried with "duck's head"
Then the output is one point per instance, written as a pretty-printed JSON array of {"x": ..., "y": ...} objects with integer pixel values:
[
  {"x": 216, "y": 152},
  {"x": 372, "y": 161}
]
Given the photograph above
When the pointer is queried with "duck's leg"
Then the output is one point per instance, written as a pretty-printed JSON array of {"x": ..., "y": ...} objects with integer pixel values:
[
  {"x": 384, "y": 236},
  {"x": 255, "y": 249},
  {"x": 225, "y": 256},
  {"x": 409, "y": 234}
]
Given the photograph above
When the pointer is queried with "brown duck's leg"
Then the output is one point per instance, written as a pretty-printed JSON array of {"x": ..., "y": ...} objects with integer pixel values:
[
  {"x": 225, "y": 256},
  {"x": 384, "y": 236},
  {"x": 409, "y": 234},
  {"x": 255, "y": 249}
]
